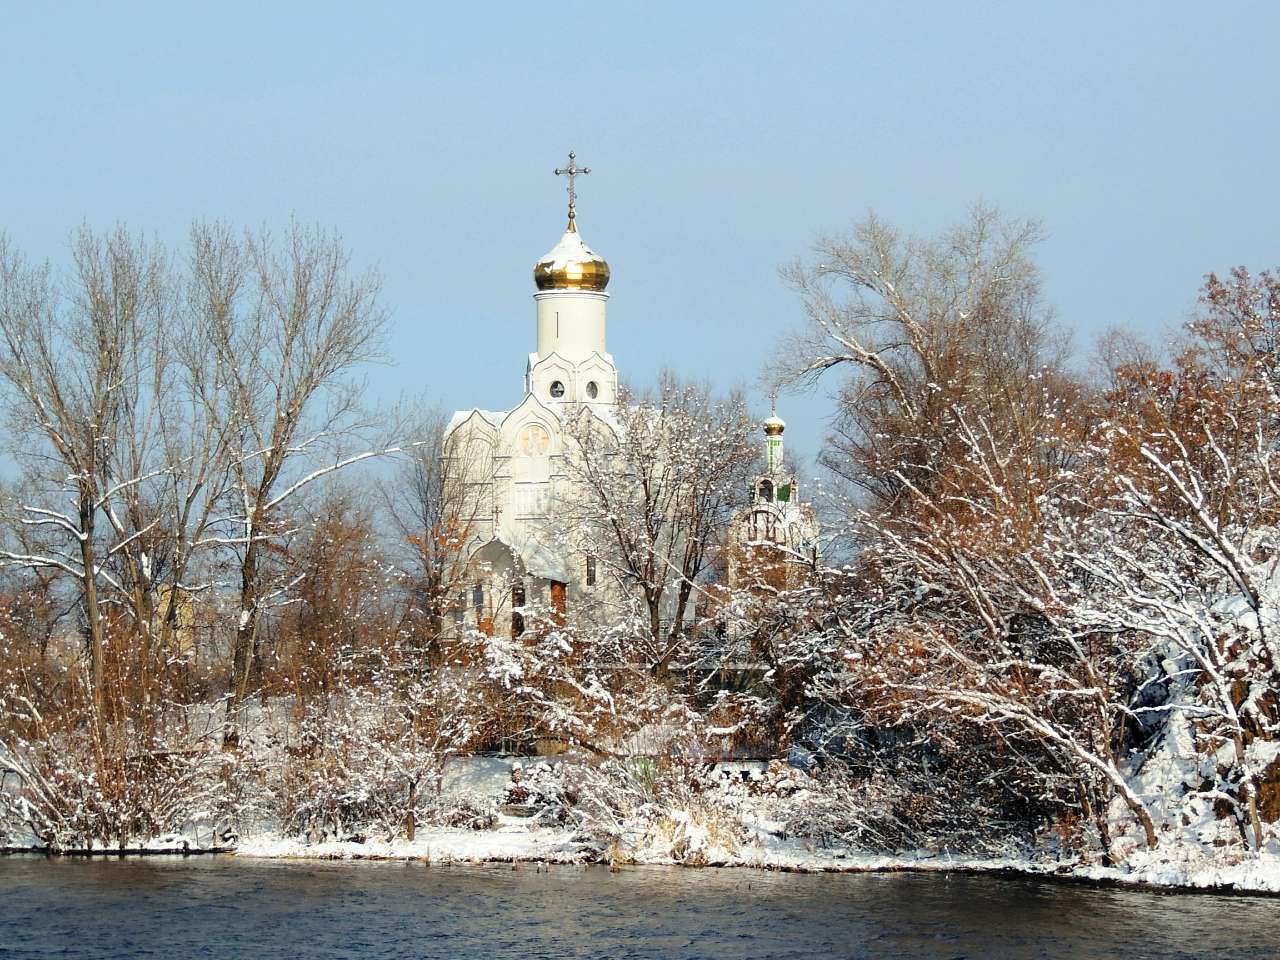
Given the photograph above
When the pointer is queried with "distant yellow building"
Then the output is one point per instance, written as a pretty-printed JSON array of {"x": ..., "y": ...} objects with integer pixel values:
[{"x": 178, "y": 635}]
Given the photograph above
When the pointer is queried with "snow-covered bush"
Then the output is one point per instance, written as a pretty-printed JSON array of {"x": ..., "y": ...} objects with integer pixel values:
[
  {"x": 370, "y": 760},
  {"x": 681, "y": 816},
  {"x": 74, "y": 784},
  {"x": 467, "y": 813}
]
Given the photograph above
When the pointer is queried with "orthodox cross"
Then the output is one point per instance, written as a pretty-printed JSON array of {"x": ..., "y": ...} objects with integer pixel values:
[{"x": 571, "y": 171}]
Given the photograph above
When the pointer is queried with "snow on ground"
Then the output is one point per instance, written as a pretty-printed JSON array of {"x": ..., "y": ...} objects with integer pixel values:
[
  {"x": 1170, "y": 866},
  {"x": 507, "y": 843},
  {"x": 1187, "y": 866},
  {"x": 476, "y": 778},
  {"x": 513, "y": 842}
]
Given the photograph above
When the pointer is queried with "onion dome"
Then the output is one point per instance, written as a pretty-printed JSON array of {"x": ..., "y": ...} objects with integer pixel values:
[
  {"x": 571, "y": 265},
  {"x": 774, "y": 426}
]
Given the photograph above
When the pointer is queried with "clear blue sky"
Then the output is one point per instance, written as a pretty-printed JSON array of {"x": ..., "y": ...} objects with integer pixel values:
[{"x": 723, "y": 137}]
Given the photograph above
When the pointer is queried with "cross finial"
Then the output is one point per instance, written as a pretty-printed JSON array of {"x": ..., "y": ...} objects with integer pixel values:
[{"x": 571, "y": 171}]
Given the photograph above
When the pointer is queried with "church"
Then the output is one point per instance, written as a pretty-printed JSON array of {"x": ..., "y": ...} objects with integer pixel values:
[
  {"x": 773, "y": 542},
  {"x": 512, "y": 462},
  {"x": 509, "y": 467}
]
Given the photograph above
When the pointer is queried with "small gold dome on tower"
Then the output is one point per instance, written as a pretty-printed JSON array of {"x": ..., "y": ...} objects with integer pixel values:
[
  {"x": 571, "y": 265},
  {"x": 774, "y": 426}
]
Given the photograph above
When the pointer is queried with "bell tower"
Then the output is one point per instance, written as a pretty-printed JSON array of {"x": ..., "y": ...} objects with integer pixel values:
[
  {"x": 571, "y": 363},
  {"x": 774, "y": 485}
]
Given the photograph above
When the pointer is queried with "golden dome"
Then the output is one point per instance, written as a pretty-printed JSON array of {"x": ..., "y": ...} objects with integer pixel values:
[
  {"x": 774, "y": 426},
  {"x": 571, "y": 265}
]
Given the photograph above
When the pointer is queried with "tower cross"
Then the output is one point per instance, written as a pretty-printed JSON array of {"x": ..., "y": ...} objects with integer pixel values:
[{"x": 571, "y": 171}]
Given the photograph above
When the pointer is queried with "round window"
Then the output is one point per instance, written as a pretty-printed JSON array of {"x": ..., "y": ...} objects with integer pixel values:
[
  {"x": 557, "y": 388},
  {"x": 593, "y": 391}
]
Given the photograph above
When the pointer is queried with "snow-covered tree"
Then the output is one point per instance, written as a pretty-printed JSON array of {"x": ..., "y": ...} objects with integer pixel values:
[
  {"x": 434, "y": 504},
  {"x": 1181, "y": 545},
  {"x": 926, "y": 331},
  {"x": 287, "y": 323},
  {"x": 79, "y": 358},
  {"x": 655, "y": 487}
]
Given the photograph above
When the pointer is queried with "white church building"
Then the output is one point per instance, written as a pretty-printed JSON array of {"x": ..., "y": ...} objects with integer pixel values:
[
  {"x": 511, "y": 467},
  {"x": 512, "y": 462}
]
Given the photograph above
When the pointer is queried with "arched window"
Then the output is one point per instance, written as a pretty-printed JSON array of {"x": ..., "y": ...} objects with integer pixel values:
[
  {"x": 591, "y": 571},
  {"x": 766, "y": 490},
  {"x": 477, "y": 599}
]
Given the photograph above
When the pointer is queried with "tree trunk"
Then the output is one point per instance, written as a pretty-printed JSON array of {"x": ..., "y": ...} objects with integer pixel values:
[
  {"x": 1250, "y": 790},
  {"x": 1108, "y": 769},
  {"x": 682, "y": 605},
  {"x": 1098, "y": 815},
  {"x": 437, "y": 602},
  {"x": 89, "y": 565},
  {"x": 675, "y": 637},
  {"x": 246, "y": 634},
  {"x": 654, "y": 600},
  {"x": 1143, "y": 817}
]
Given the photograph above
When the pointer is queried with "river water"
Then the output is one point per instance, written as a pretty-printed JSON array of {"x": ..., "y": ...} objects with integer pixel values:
[{"x": 220, "y": 907}]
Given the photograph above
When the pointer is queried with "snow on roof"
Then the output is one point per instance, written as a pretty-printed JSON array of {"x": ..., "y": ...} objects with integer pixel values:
[
  {"x": 493, "y": 417},
  {"x": 604, "y": 411},
  {"x": 608, "y": 414},
  {"x": 568, "y": 251}
]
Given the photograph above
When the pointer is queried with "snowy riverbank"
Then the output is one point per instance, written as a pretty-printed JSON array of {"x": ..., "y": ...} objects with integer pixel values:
[
  {"x": 1185, "y": 869},
  {"x": 691, "y": 837},
  {"x": 511, "y": 844}
]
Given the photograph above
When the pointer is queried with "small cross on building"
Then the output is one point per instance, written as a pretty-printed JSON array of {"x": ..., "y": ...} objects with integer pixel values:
[{"x": 571, "y": 171}]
